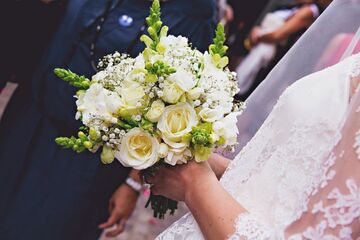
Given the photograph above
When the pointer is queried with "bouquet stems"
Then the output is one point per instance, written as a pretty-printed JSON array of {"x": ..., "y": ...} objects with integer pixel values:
[{"x": 161, "y": 205}]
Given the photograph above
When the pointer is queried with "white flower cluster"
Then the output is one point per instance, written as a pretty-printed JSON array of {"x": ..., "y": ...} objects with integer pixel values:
[{"x": 169, "y": 105}]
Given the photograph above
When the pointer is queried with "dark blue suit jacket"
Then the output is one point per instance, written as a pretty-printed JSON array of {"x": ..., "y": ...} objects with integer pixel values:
[{"x": 51, "y": 193}]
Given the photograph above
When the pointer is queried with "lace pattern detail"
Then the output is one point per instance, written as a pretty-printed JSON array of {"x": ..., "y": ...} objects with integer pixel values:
[
  {"x": 185, "y": 228},
  {"x": 344, "y": 210},
  {"x": 248, "y": 228},
  {"x": 357, "y": 143},
  {"x": 355, "y": 67},
  {"x": 288, "y": 156}
]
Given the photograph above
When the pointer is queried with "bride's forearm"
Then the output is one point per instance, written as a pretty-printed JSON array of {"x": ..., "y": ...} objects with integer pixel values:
[
  {"x": 213, "y": 208},
  {"x": 218, "y": 164}
]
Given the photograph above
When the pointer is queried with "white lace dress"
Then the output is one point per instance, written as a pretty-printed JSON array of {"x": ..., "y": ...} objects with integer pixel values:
[{"x": 285, "y": 163}]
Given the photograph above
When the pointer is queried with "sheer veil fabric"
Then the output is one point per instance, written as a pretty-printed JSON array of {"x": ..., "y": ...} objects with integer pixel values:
[
  {"x": 321, "y": 46},
  {"x": 295, "y": 168}
]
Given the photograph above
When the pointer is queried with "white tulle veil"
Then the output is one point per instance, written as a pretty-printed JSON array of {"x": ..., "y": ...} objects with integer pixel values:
[{"x": 333, "y": 36}]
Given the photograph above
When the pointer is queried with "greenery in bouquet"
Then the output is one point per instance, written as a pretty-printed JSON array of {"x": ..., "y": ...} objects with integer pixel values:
[{"x": 169, "y": 105}]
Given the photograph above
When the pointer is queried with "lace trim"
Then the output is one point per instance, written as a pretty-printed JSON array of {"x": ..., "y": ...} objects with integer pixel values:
[{"x": 248, "y": 228}]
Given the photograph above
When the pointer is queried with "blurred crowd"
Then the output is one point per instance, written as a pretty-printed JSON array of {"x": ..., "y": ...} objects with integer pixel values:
[{"x": 259, "y": 33}]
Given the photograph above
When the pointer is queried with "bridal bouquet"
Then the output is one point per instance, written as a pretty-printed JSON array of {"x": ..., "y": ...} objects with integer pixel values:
[{"x": 169, "y": 105}]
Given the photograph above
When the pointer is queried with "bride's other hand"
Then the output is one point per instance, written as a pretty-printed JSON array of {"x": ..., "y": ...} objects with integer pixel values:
[
  {"x": 179, "y": 182},
  {"x": 121, "y": 206}
]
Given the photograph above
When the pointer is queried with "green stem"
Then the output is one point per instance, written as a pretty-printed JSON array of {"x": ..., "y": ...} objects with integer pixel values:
[{"x": 161, "y": 205}]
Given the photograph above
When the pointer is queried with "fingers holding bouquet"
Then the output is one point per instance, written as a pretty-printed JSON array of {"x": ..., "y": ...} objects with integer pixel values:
[{"x": 175, "y": 182}]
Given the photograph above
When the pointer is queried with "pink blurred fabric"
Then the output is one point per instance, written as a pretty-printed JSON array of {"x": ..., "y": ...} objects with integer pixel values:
[{"x": 336, "y": 49}]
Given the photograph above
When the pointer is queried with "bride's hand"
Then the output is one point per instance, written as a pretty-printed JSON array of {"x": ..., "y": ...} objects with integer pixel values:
[{"x": 178, "y": 182}]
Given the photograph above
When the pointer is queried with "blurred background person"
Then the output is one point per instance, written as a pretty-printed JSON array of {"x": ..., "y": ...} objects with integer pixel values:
[
  {"x": 269, "y": 41},
  {"x": 245, "y": 15},
  {"x": 225, "y": 12},
  {"x": 49, "y": 193}
]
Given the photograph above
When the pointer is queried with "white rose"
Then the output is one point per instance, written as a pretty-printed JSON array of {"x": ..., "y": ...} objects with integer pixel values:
[
  {"x": 156, "y": 109},
  {"x": 195, "y": 93},
  {"x": 171, "y": 92},
  {"x": 227, "y": 128},
  {"x": 175, "y": 122},
  {"x": 138, "y": 150},
  {"x": 178, "y": 157},
  {"x": 132, "y": 96},
  {"x": 98, "y": 102},
  {"x": 211, "y": 115},
  {"x": 185, "y": 80}
]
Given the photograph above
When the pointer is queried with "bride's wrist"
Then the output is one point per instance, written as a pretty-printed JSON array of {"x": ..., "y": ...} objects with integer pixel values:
[{"x": 197, "y": 186}]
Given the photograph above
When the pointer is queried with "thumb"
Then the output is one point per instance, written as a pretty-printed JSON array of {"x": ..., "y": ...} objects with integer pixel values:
[{"x": 111, "y": 221}]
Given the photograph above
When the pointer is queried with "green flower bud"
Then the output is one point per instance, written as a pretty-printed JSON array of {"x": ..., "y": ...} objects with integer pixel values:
[
  {"x": 150, "y": 78},
  {"x": 107, "y": 155},
  {"x": 163, "y": 32},
  {"x": 79, "y": 92},
  {"x": 81, "y": 135},
  {"x": 78, "y": 142},
  {"x": 201, "y": 137},
  {"x": 88, "y": 144},
  {"x": 94, "y": 135},
  {"x": 158, "y": 25},
  {"x": 72, "y": 78},
  {"x": 152, "y": 32},
  {"x": 75, "y": 147},
  {"x": 160, "y": 48},
  {"x": 145, "y": 39}
]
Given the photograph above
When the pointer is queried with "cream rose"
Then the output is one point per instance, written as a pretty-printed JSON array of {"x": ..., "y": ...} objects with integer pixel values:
[
  {"x": 172, "y": 92},
  {"x": 175, "y": 122},
  {"x": 155, "y": 111},
  {"x": 132, "y": 96},
  {"x": 185, "y": 80},
  {"x": 138, "y": 150},
  {"x": 195, "y": 93}
]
